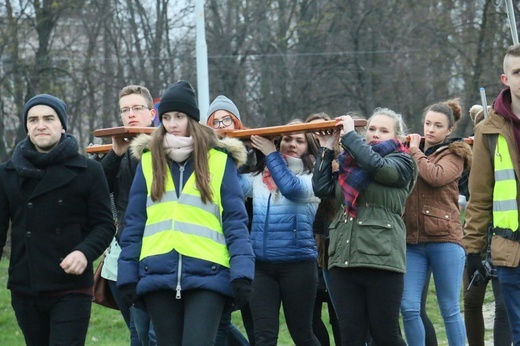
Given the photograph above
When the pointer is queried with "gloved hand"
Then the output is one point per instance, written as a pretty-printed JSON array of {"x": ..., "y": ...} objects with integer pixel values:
[
  {"x": 128, "y": 294},
  {"x": 140, "y": 304},
  {"x": 473, "y": 263},
  {"x": 241, "y": 292}
]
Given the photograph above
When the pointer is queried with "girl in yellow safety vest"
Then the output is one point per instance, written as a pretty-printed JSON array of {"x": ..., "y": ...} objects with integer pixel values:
[{"x": 186, "y": 248}]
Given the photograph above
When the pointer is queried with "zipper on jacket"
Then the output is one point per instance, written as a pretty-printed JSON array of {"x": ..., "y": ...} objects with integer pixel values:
[
  {"x": 264, "y": 246},
  {"x": 295, "y": 226},
  {"x": 181, "y": 177},
  {"x": 322, "y": 156},
  {"x": 178, "y": 287}
]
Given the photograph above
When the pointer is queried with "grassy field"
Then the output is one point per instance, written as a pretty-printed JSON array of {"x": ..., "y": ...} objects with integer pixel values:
[{"x": 108, "y": 329}]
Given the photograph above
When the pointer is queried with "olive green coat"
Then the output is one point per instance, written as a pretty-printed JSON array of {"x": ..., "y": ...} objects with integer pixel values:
[{"x": 376, "y": 238}]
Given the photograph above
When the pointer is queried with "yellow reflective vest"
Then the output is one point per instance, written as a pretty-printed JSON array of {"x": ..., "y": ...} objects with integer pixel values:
[
  {"x": 505, "y": 205},
  {"x": 184, "y": 223}
]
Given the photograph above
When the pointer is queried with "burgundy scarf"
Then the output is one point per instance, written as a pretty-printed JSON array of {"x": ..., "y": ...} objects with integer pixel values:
[
  {"x": 502, "y": 106},
  {"x": 353, "y": 180}
]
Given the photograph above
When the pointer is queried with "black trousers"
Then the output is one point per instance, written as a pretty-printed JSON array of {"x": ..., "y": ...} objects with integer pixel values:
[
  {"x": 58, "y": 320},
  {"x": 191, "y": 320},
  {"x": 292, "y": 284},
  {"x": 365, "y": 300}
]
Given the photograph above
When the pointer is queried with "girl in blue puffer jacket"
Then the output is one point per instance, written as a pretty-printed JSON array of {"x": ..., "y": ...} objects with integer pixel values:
[{"x": 284, "y": 207}]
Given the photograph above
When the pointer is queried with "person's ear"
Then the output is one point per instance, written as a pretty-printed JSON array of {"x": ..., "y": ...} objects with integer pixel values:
[
  {"x": 153, "y": 114},
  {"x": 62, "y": 130},
  {"x": 504, "y": 80}
]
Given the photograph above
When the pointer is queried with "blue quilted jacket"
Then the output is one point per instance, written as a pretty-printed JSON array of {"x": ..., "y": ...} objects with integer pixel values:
[{"x": 282, "y": 218}]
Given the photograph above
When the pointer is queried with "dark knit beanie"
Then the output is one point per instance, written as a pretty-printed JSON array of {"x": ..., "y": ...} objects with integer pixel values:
[
  {"x": 179, "y": 97},
  {"x": 52, "y": 101},
  {"x": 222, "y": 103}
]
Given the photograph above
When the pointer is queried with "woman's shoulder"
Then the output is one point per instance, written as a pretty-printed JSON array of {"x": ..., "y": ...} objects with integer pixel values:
[
  {"x": 140, "y": 145},
  {"x": 234, "y": 148},
  {"x": 461, "y": 149}
]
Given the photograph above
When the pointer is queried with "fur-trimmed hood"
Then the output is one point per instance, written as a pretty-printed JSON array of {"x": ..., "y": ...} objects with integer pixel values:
[
  {"x": 461, "y": 149},
  {"x": 234, "y": 147}
]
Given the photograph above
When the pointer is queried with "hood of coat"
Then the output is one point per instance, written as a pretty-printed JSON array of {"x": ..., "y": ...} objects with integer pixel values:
[
  {"x": 456, "y": 146},
  {"x": 464, "y": 151},
  {"x": 493, "y": 124},
  {"x": 234, "y": 147}
]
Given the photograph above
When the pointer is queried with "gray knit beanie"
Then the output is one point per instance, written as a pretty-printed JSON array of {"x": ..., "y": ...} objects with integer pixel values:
[
  {"x": 52, "y": 101},
  {"x": 224, "y": 104}
]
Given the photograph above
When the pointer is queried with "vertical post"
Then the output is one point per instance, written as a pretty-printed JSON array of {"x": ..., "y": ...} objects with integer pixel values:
[
  {"x": 483, "y": 100},
  {"x": 202, "y": 61},
  {"x": 512, "y": 21}
]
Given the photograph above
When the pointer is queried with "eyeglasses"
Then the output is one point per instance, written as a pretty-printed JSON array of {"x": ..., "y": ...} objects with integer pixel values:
[
  {"x": 135, "y": 109},
  {"x": 225, "y": 122}
]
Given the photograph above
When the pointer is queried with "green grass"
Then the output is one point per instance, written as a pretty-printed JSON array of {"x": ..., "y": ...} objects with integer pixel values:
[{"x": 107, "y": 327}]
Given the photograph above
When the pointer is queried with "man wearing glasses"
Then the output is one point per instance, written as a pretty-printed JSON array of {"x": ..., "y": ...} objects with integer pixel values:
[{"x": 136, "y": 109}]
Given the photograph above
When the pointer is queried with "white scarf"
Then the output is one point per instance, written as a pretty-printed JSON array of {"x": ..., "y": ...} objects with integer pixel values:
[{"x": 178, "y": 148}]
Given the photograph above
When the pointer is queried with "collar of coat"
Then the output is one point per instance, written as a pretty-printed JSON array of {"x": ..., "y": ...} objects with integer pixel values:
[
  {"x": 456, "y": 146},
  {"x": 232, "y": 146},
  {"x": 79, "y": 161}
]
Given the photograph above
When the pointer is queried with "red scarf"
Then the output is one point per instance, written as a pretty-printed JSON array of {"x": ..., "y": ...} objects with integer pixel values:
[{"x": 267, "y": 178}]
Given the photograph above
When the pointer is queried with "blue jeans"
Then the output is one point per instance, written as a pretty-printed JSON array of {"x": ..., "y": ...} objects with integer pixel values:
[
  {"x": 143, "y": 325},
  {"x": 134, "y": 319},
  {"x": 509, "y": 279},
  {"x": 227, "y": 333},
  {"x": 125, "y": 312},
  {"x": 446, "y": 261}
]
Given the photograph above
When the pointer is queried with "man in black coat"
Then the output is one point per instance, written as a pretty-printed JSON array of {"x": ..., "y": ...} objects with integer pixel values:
[{"x": 58, "y": 204}]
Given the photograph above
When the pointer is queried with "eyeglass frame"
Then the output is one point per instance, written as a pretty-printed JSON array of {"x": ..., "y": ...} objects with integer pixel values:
[
  {"x": 126, "y": 110},
  {"x": 218, "y": 122}
]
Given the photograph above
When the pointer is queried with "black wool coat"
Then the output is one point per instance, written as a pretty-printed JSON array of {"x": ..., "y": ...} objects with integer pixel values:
[{"x": 69, "y": 209}]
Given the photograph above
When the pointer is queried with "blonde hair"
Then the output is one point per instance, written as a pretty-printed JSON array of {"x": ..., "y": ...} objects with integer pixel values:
[
  {"x": 400, "y": 126},
  {"x": 138, "y": 90},
  {"x": 513, "y": 50},
  {"x": 476, "y": 113}
]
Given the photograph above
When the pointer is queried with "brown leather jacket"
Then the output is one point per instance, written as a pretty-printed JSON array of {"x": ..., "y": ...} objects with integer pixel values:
[
  {"x": 432, "y": 212},
  {"x": 479, "y": 212}
]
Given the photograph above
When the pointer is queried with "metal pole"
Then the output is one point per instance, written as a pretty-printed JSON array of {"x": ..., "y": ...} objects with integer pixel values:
[
  {"x": 512, "y": 21},
  {"x": 484, "y": 102},
  {"x": 202, "y": 61}
]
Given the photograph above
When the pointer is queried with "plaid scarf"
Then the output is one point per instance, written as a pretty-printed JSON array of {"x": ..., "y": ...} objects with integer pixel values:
[{"x": 353, "y": 180}]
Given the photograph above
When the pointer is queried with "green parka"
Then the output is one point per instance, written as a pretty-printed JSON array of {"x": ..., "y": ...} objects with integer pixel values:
[{"x": 376, "y": 238}]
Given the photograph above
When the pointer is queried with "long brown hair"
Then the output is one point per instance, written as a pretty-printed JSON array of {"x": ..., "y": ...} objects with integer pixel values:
[{"x": 204, "y": 138}]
